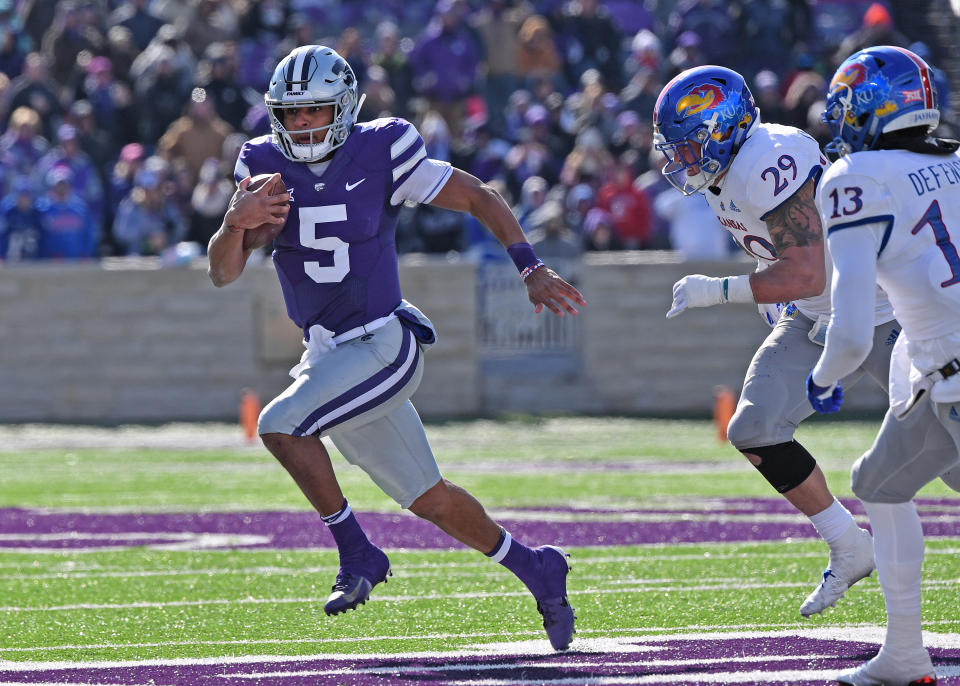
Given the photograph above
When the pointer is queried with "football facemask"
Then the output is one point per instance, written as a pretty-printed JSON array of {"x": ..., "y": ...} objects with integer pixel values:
[
  {"x": 313, "y": 76},
  {"x": 686, "y": 169}
]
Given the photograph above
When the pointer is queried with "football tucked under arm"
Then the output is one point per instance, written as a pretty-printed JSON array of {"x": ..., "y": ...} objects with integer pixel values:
[
  {"x": 271, "y": 185},
  {"x": 260, "y": 180}
]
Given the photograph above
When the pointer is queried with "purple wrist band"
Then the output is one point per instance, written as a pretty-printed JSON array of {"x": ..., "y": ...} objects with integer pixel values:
[{"x": 522, "y": 255}]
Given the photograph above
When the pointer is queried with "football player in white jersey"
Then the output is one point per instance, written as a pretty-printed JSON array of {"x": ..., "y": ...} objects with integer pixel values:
[
  {"x": 761, "y": 181},
  {"x": 891, "y": 208}
]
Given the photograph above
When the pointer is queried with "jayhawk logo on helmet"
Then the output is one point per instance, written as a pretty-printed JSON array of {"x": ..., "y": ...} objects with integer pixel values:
[
  {"x": 700, "y": 98},
  {"x": 852, "y": 75}
]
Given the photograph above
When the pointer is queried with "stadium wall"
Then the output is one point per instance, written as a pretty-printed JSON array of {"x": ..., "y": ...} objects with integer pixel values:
[{"x": 126, "y": 341}]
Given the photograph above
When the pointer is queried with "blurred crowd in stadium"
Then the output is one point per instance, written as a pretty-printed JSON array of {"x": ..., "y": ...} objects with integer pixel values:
[{"x": 122, "y": 119}]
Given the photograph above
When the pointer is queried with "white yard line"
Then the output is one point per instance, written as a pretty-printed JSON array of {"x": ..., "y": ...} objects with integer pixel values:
[
  {"x": 69, "y": 570},
  {"x": 79, "y": 569},
  {"x": 646, "y": 633},
  {"x": 638, "y": 589},
  {"x": 86, "y": 607},
  {"x": 53, "y": 552}
]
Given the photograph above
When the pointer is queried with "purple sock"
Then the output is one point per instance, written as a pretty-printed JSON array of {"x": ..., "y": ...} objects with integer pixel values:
[
  {"x": 346, "y": 531},
  {"x": 521, "y": 560}
]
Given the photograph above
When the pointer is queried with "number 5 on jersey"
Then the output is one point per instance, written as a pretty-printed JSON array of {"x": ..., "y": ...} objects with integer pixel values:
[{"x": 309, "y": 218}]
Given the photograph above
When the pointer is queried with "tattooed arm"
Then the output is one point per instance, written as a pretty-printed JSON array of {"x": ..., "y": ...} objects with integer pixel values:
[
  {"x": 797, "y": 235},
  {"x": 799, "y": 272}
]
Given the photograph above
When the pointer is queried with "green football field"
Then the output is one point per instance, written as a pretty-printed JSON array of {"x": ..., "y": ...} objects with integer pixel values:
[{"x": 182, "y": 555}]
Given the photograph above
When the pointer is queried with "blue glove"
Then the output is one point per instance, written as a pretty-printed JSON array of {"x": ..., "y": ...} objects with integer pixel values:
[{"x": 825, "y": 400}]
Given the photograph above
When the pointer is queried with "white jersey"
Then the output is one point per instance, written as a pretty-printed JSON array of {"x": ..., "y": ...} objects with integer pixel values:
[
  {"x": 910, "y": 204},
  {"x": 771, "y": 167}
]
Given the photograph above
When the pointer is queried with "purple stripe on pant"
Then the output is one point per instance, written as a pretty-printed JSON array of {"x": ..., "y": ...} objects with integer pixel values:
[
  {"x": 379, "y": 400},
  {"x": 364, "y": 387}
]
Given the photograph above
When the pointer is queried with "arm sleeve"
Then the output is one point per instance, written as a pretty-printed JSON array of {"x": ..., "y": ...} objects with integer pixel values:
[{"x": 852, "y": 294}]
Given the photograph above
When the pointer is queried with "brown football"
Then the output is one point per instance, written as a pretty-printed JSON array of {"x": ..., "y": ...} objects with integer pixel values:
[
  {"x": 265, "y": 233},
  {"x": 257, "y": 182}
]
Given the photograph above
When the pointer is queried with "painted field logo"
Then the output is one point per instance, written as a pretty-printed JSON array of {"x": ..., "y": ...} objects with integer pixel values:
[{"x": 798, "y": 658}]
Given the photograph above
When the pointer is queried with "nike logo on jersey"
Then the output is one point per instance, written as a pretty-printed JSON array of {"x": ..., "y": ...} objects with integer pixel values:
[
  {"x": 318, "y": 186},
  {"x": 351, "y": 186}
]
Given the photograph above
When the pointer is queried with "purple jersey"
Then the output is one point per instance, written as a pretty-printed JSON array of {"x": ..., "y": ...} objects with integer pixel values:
[{"x": 336, "y": 256}]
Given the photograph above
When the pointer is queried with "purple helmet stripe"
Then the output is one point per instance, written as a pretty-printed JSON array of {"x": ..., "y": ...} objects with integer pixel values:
[{"x": 305, "y": 67}]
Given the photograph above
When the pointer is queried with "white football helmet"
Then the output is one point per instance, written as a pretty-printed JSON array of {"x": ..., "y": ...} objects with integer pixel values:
[{"x": 312, "y": 76}]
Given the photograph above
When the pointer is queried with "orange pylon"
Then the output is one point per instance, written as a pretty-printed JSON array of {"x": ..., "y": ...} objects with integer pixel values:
[
  {"x": 724, "y": 405},
  {"x": 249, "y": 412}
]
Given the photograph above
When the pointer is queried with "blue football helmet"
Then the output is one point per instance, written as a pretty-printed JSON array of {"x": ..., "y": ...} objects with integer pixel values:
[
  {"x": 313, "y": 76},
  {"x": 701, "y": 119},
  {"x": 876, "y": 91}
]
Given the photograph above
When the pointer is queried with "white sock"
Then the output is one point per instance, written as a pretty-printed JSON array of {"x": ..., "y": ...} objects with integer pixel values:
[
  {"x": 833, "y": 522},
  {"x": 898, "y": 547},
  {"x": 904, "y": 637}
]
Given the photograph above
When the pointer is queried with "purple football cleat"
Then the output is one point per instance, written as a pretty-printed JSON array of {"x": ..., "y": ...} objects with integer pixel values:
[
  {"x": 558, "y": 617},
  {"x": 357, "y": 577}
]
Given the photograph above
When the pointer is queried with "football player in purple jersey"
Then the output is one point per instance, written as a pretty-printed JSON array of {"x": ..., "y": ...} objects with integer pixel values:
[{"x": 337, "y": 263}]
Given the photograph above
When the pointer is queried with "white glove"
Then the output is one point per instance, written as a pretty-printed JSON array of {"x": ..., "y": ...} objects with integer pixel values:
[{"x": 697, "y": 290}]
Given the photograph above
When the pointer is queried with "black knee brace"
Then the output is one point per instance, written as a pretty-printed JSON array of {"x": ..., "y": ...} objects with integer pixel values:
[{"x": 784, "y": 465}]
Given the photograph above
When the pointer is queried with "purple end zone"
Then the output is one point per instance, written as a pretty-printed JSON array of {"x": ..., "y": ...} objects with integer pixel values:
[
  {"x": 696, "y": 658},
  {"x": 69, "y": 530}
]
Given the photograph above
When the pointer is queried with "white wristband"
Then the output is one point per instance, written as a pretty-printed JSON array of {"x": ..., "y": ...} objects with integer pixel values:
[{"x": 736, "y": 289}]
